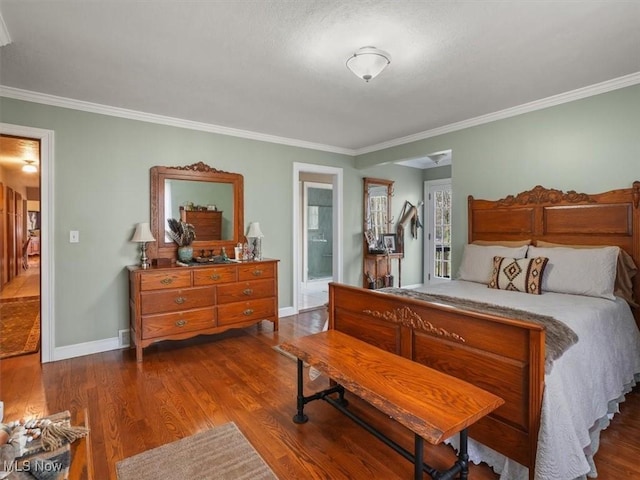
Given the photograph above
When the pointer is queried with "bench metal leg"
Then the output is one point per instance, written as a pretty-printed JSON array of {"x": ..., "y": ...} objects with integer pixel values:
[
  {"x": 460, "y": 467},
  {"x": 300, "y": 417},
  {"x": 418, "y": 460},
  {"x": 463, "y": 455}
]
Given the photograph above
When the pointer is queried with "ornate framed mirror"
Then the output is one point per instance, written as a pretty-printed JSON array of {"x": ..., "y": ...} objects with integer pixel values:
[
  {"x": 194, "y": 193},
  {"x": 379, "y": 244},
  {"x": 377, "y": 208}
]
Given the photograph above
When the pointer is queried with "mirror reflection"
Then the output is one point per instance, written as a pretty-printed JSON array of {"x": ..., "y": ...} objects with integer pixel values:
[
  {"x": 206, "y": 205},
  {"x": 209, "y": 199},
  {"x": 377, "y": 212},
  {"x": 378, "y": 220}
]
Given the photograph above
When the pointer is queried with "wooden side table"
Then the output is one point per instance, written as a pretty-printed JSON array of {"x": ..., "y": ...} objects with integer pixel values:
[
  {"x": 76, "y": 455},
  {"x": 379, "y": 264},
  {"x": 81, "y": 467}
]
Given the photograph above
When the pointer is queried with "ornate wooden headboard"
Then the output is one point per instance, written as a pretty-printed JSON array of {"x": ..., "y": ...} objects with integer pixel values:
[{"x": 609, "y": 218}]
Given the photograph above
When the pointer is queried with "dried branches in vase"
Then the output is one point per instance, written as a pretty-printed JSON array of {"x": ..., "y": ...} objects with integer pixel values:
[{"x": 180, "y": 232}]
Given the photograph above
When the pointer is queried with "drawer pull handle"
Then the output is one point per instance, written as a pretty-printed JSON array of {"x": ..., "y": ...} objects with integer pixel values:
[
  {"x": 166, "y": 281},
  {"x": 248, "y": 292},
  {"x": 180, "y": 300},
  {"x": 215, "y": 276},
  {"x": 181, "y": 323},
  {"x": 257, "y": 273},
  {"x": 248, "y": 312}
]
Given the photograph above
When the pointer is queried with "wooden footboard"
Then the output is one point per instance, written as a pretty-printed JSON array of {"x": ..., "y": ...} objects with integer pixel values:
[{"x": 503, "y": 356}]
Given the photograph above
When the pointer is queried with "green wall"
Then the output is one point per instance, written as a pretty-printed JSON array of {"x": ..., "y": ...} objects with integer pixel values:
[
  {"x": 590, "y": 145},
  {"x": 437, "y": 173},
  {"x": 101, "y": 188}
]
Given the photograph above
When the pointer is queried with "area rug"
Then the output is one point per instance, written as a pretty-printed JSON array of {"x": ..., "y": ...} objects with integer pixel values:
[
  {"x": 222, "y": 453},
  {"x": 19, "y": 327}
]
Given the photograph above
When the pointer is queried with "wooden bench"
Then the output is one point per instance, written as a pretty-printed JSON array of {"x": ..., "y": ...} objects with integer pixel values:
[{"x": 433, "y": 405}]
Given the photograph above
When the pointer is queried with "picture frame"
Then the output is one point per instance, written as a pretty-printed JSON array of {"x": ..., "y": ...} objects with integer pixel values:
[
  {"x": 370, "y": 237},
  {"x": 389, "y": 242}
]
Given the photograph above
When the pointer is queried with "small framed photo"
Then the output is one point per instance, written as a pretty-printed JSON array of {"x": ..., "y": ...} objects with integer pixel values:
[
  {"x": 389, "y": 242},
  {"x": 371, "y": 239}
]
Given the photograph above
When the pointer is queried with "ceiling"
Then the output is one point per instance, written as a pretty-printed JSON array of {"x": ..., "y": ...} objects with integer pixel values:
[
  {"x": 277, "y": 68},
  {"x": 13, "y": 153}
]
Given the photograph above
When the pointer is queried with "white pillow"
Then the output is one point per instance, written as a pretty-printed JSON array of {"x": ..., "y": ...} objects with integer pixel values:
[
  {"x": 477, "y": 261},
  {"x": 590, "y": 272}
]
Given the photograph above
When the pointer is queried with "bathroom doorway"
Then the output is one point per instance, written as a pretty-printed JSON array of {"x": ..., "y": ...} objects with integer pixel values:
[
  {"x": 317, "y": 243},
  {"x": 317, "y": 233}
]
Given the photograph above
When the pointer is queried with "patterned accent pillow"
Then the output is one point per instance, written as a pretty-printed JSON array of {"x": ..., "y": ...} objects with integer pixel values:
[{"x": 518, "y": 274}]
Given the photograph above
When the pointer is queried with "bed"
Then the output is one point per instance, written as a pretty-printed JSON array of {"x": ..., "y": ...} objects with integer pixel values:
[{"x": 560, "y": 386}]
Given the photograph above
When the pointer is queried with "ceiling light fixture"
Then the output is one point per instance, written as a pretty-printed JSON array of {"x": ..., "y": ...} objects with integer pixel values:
[
  {"x": 437, "y": 158},
  {"x": 29, "y": 167},
  {"x": 368, "y": 62}
]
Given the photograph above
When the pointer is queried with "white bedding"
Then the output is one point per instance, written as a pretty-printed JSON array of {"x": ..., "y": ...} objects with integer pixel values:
[{"x": 583, "y": 386}]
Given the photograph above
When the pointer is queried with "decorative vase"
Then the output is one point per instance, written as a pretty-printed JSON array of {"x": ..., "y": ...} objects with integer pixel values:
[{"x": 185, "y": 254}]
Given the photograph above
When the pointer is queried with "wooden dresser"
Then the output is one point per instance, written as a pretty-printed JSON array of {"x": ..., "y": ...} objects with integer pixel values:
[
  {"x": 174, "y": 303},
  {"x": 208, "y": 223}
]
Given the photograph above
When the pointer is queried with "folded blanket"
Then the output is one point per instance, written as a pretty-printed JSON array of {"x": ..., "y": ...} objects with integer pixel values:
[{"x": 558, "y": 336}]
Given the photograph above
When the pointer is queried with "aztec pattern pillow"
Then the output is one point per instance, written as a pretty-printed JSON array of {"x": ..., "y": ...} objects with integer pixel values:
[{"x": 518, "y": 274}]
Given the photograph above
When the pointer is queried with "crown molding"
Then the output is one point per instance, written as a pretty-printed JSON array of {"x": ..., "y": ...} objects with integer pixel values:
[
  {"x": 578, "y": 94},
  {"x": 55, "y": 101},
  {"x": 5, "y": 38}
]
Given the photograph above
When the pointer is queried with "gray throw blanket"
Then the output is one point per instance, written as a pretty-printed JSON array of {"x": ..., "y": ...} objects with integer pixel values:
[{"x": 558, "y": 337}]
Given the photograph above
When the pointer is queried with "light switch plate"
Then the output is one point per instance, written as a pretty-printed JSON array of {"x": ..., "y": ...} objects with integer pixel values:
[{"x": 74, "y": 236}]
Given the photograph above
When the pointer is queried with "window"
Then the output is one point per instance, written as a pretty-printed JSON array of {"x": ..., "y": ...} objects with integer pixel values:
[
  {"x": 312, "y": 217},
  {"x": 438, "y": 237}
]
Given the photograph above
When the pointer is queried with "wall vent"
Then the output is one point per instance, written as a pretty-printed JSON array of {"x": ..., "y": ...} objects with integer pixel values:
[{"x": 124, "y": 337}]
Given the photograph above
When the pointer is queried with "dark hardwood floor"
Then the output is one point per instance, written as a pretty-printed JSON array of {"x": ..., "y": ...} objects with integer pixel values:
[{"x": 185, "y": 387}]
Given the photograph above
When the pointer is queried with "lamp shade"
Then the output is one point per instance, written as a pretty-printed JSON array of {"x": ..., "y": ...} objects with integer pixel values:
[
  {"x": 254, "y": 230},
  {"x": 368, "y": 62},
  {"x": 142, "y": 234}
]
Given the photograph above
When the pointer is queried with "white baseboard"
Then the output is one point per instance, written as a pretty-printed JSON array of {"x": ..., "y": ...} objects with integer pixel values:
[
  {"x": 108, "y": 344},
  {"x": 286, "y": 312},
  {"x": 87, "y": 348}
]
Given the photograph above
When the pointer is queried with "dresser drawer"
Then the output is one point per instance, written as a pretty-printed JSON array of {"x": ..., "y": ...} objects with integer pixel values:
[
  {"x": 165, "y": 280},
  {"x": 243, "y": 311},
  {"x": 212, "y": 276},
  {"x": 254, "y": 271},
  {"x": 243, "y": 291},
  {"x": 175, "y": 323},
  {"x": 176, "y": 300}
]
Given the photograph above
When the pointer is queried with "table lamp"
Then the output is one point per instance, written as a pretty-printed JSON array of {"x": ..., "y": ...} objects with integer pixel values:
[
  {"x": 142, "y": 235},
  {"x": 254, "y": 237}
]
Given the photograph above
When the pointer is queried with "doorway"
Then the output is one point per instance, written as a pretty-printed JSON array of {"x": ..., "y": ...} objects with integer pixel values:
[
  {"x": 31, "y": 214},
  {"x": 437, "y": 241},
  {"x": 317, "y": 233},
  {"x": 317, "y": 243},
  {"x": 20, "y": 256}
]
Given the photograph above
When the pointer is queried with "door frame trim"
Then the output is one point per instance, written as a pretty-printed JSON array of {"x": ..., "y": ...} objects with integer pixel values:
[{"x": 338, "y": 199}]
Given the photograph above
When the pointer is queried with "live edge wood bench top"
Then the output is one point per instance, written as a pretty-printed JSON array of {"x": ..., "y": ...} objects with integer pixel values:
[{"x": 428, "y": 402}]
